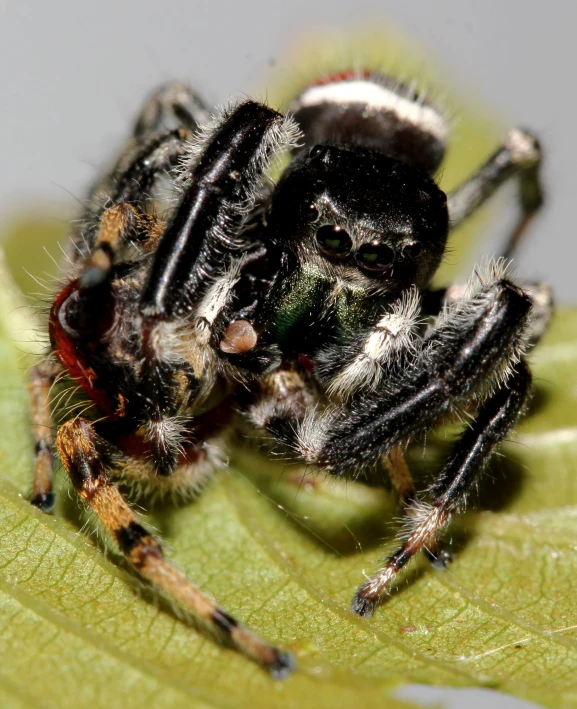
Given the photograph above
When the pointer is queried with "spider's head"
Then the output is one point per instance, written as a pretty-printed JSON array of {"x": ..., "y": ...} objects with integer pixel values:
[{"x": 361, "y": 216}]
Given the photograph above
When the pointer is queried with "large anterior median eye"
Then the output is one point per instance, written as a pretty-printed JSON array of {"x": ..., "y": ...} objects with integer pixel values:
[
  {"x": 333, "y": 241},
  {"x": 375, "y": 257}
]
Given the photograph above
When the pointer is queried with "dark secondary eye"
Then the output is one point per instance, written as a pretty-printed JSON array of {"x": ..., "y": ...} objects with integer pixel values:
[
  {"x": 312, "y": 213},
  {"x": 333, "y": 240},
  {"x": 412, "y": 251},
  {"x": 375, "y": 257}
]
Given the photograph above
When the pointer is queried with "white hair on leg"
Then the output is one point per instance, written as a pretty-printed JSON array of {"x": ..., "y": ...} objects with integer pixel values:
[
  {"x": 283, "y": 136},
  {"x": 394, "y": 334},
  {"x": 465, "y": 303}
]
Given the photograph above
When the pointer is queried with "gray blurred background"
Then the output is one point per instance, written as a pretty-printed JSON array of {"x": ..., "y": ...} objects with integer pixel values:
[{"x": 73, "y": 73}]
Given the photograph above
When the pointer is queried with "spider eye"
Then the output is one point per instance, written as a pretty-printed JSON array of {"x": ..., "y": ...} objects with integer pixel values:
[
  {"x": 375, "y": 257},
  {"x": 317, "y": 151},
  {"x": 312, "y": 213},
  {"x": 333, "y": 240},
  {"x": 412, "y": 250}
]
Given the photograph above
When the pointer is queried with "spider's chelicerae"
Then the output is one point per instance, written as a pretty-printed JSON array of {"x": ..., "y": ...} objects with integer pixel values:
[{"x": 204, "y": 299}]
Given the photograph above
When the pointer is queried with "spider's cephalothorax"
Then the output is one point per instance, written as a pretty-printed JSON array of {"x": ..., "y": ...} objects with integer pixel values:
[{"x": 301, "y": 310}]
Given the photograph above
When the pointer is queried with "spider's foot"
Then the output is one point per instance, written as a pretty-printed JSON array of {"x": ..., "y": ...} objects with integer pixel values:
[
  {"x": 44, "y": 501},
  {"x": 278, "y": 663},
  {"x": 364, "y": 603},
  {"x": 283, "y": 666},
  {"x": 439, "y": 558}
]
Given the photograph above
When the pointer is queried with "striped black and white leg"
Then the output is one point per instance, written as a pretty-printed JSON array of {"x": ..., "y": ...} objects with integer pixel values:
[
  {"x": 472, "y": 355},
  {"x": 449, "y": 491},
  {"x": 472, "y": 347},
  {"x": 199, "y": 256}
]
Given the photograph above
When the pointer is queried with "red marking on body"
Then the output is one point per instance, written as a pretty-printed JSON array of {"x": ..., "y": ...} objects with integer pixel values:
[
  {"x": 308, "y": 363},
  {"x": 135, "y": 445},
  {"x": 69, "y": 352},
  {"x": 347, "y": 75}
]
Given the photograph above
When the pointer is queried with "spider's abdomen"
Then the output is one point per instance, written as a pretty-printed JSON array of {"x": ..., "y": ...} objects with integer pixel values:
[{"x": 372, "y": 110}]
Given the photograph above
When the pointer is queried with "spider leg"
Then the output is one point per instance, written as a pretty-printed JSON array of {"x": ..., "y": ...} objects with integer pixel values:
[
  {"x": 42, "y": 377},
  {"x": 474, "y": 348},
  {"x": 541, "y": 296},
  {"x": 220, "y": 185},
  {"x": 115, "y": 217},
  {"x": 473, "y": 345},
  {"x": 494, "y": 422},
  {"x": 172, "y": 105},
  {"x": 519, "y": 156},
  {"x": 402, "y": 480},
  {"x": 199, "y": 256},
  {"x": 77, "y": 444}
]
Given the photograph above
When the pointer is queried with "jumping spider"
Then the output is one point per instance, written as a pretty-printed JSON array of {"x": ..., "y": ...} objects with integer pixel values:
[{"x": 203, "y": 299}]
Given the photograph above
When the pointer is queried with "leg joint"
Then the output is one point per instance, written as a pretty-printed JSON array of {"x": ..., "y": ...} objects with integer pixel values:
[{"x": 524, "y": 148}]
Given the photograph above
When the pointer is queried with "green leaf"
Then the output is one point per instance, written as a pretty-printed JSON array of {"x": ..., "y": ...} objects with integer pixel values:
[{"x": 285, "y": 553}]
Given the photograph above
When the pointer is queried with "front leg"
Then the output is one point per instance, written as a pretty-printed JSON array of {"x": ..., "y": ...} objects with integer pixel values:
[
  {"x": 476, "y": 346},
  {"x": 472, "y": 347},
  {"x": 470, "y": 455},
  {"x": 220, "y": 181},
  {"x": 77, "y": 444},
  {"x": 519, "y": 156}
]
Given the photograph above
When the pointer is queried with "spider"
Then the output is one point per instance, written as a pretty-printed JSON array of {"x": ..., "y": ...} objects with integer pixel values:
[{"x": 203, "y": 300}]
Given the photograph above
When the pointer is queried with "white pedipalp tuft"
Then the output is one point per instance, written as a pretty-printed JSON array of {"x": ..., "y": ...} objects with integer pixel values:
[
  {"x": 169, "y": 432},
  {"x": 311, "y": 433},
  {"x": 393, "y": 336}
]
